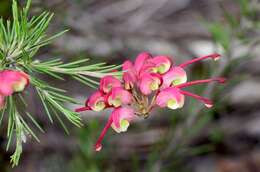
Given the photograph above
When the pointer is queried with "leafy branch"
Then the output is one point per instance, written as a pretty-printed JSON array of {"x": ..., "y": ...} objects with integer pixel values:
[{"x": 20, "y": 40}]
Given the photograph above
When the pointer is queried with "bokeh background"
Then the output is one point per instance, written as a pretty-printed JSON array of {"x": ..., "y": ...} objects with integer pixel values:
[{"x": 225, "y": 138}]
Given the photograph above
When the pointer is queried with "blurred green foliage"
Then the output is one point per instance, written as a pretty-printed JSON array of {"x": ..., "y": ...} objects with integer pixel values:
[{"x": 86, "y": 159}]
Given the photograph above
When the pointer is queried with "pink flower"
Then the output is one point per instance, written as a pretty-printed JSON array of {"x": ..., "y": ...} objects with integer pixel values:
[
  {"x": 129, "y": 76},
  {"x": 147, "y": 68},
  {"x": 119, "y": 120},
  {"x": 95, "y": 102},
  {"x": 170, "y": 97},
  {"x": 175, "y": 76},
  {"x": 108, "y": 82},
  {"x": 141, "y": 59},
  {"x": 122, "y": 118},
  {"x": 161, "y": 64},
  {"x": 119, "y": 96},
  {"x": 12, "y": 81},
  {"x": 150, "y": 82}
]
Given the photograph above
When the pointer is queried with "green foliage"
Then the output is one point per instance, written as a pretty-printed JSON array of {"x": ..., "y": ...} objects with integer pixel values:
[
  {"x": 20, "y": 39},
  {"x": 220, "y": 34},
  {"x": 85, "y": 159}
]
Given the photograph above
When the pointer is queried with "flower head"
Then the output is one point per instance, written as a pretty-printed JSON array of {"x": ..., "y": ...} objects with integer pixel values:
[{"x": 148, "y": 83}]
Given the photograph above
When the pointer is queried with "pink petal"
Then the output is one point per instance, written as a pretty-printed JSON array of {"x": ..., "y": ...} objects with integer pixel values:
[
  {"x": 148, "y": 67},
  {"x": 149, "y": 82},
  {"x": 129, "y": 76},
  {"x": 12, "y": 81},
  {"x": 169, "y": 94},
  {"x": 140, "y": 60},
  {"x": 108, "y": 82},
  {"x": 96, "y": 101},
  {"x": 122, "y": 113},
  {"x": 162, "y": 63},
  {"x": 176, "y": 76},
  {"x": 121, "y": 95},
  {"x": 119, "y": 114},
  {"x": 5, "y": 88}
]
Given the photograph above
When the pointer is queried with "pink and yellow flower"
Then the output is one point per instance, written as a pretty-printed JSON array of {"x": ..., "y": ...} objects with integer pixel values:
[
  {"x": 119, "y": 96},
  {"x": 119, "y": 120},
  {"x": 151, "y": 82},
  {"x": 12, "y": 81},
  {"x": 108, "y": 82},
  {"x": 161, "y": 64},
  {"x": 170, "y": 97},
  {"x": 175, "y": 76},
  {"x": 95, "y": 102}
]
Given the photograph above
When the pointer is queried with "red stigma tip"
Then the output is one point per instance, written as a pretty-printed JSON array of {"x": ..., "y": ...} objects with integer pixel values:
[
  {"x": 209, "y": 105},
  {"x": 215, "y": 56},
  {"x": 222, "y": 80},
  {"x": 98, "y": 147}
]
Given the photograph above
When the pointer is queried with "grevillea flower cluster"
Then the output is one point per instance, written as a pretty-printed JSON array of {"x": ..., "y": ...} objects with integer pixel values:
[
  {"x": 11, "y": 81},
  {"x": 147, "y": 83}
]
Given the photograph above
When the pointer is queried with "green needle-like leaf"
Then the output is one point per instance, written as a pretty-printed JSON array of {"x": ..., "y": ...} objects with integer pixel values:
[{"x": 20, "y": 39}]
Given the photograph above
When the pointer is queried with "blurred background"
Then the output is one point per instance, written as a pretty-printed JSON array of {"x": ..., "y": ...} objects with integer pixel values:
[{"x": 225, "y": 138}]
